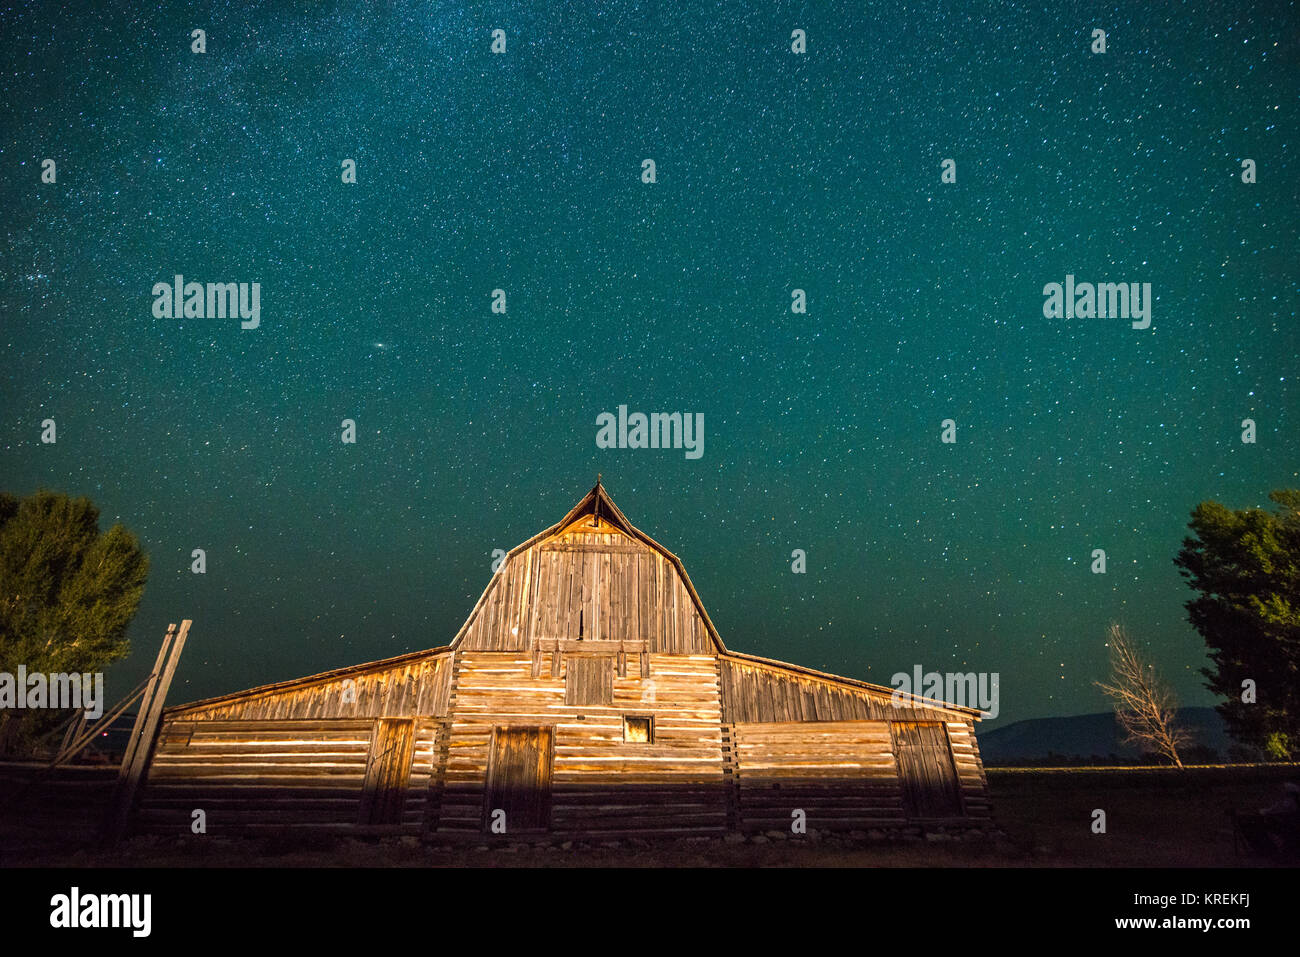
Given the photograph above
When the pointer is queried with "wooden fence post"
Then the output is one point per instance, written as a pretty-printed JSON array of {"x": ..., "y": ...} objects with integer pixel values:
[
  {"x": 142, "y": 712},
  {"x": 142, "y": 736}
]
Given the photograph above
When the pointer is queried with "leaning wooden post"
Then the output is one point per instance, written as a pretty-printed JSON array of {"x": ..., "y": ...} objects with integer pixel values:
[
  {"x": 73, "y": 731},
  {"x": 133, "y": 763},
  {"x": 142, "y": 712}
]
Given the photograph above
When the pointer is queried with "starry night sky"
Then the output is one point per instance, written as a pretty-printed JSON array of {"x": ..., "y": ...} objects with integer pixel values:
[{"x": 775, "y": 171}]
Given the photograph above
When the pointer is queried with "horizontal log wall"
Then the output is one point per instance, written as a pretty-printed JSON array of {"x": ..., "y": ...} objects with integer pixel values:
[
  {"x": 735, "y": 742},
  {"x": 970, "y": 770},
  {"x": 842, "y": 775},
  {"x": 597, "y": 582},
  {"x": 256, "y": 775},
  {"x": 601, "y": 784},
  {"x": 412, "y": 689}
]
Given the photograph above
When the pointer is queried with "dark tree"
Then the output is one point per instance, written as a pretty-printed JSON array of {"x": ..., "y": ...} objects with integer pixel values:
[
  {"x": 67, "y": 594},
  {"x": 1246, "y": 566}
]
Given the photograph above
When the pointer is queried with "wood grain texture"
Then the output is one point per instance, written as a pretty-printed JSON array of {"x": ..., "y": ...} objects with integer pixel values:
[
  {"x": 841, "y": 775},
  {"x": 417, "y": 686},
  {"x": 600, "y": 782},
  {"x": 244, "y": 773},
  {"x": 594, "y": 582},
  {"x": 388, "y": 771},
  {"x": 518, "y": 796},
  {"x": 770, "y": 692},
  {"x": 926, "y": 770},
  {"x": 583, "y": 625}
]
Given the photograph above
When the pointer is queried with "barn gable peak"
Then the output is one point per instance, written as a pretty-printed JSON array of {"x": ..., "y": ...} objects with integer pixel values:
[{"x": 598, "y": 509}]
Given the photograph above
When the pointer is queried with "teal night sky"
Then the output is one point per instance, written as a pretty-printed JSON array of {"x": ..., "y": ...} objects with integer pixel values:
[{"x": 775, "y": 171}]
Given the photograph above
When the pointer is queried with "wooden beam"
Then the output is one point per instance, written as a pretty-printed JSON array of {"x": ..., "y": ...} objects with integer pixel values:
[
  {"x": 132, "y": 771},
  {"x": 163, "y": 650},
  {"x": 73, "y": 731},
  {"x": 87, "y": 735}
]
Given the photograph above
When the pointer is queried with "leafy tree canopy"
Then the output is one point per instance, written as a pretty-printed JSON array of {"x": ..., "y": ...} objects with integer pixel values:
[
  {"x": 1245, "y": 565},
  {"x": 67, "y": 591}
]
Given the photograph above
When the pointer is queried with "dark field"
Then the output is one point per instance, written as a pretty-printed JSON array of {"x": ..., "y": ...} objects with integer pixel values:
[{"x": 1155, "y": 818}]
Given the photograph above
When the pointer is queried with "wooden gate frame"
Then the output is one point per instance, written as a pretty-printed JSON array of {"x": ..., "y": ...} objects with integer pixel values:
[{"x": 145, "y": 732}]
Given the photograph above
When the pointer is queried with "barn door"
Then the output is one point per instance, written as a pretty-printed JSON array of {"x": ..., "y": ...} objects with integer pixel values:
[
  {"x": 926, "y": 768},
  {"x": 387, "y": 772},
  {"x": 519, "y": 779}
]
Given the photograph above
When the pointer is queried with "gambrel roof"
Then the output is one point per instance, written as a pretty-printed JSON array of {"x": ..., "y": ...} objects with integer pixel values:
[
  {"x": 744, "y": 675},
  {"x": 597, "y": 502}
]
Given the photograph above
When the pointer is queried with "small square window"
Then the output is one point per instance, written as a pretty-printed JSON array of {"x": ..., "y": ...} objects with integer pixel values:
[{"x": 638, "y": 730}]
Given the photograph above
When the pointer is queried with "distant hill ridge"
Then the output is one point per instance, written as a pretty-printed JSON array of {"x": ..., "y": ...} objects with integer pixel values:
[{"x": 1089, "y": 735}]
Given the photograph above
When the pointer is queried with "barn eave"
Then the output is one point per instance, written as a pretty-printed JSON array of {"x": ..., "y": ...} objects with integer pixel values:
[
  {"x": 853, "y": 684},
  {"x": 298, "y": 684}
]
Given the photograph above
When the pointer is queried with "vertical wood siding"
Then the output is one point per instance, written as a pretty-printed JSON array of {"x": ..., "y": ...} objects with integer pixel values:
[
  {"x": 388, "y": 772},
  {"x": 414, "y": 688},
  {"x": 926, "y": 770},
  {"x": 520, "y": 765},
  {"x": 600, "y": 583},
  {"x": 756, "y": 692}
]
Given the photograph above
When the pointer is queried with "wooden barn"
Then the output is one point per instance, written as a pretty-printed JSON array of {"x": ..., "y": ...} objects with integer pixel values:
[{"x": 587, "y": 694}]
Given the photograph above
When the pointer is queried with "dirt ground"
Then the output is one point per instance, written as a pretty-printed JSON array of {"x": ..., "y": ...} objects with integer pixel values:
[{"x": 1154, "y": 818}]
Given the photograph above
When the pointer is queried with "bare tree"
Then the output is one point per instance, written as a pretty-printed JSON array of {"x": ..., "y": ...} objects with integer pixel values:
[{"x": 1144, "y": 705}]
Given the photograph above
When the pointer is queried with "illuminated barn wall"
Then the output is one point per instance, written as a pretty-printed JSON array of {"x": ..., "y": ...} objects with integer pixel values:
[{"x": 587, "y": 694}]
